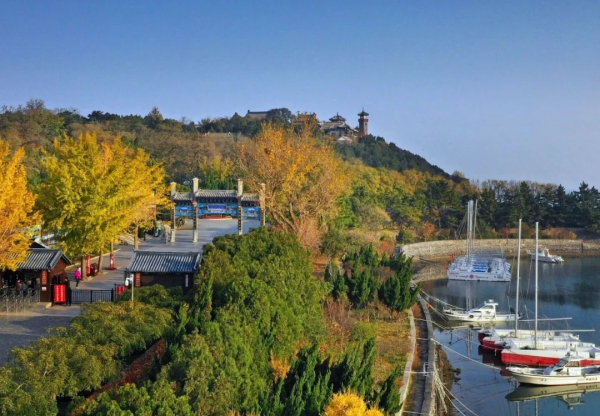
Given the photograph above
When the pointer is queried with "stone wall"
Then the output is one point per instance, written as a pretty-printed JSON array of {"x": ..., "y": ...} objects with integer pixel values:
[
  {"x": 428, "y": 407},
  {"x": 444, "y": 248}
]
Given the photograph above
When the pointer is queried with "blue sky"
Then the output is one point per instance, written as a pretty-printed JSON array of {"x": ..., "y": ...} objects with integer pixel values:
[{"x": 507, "y": 90}]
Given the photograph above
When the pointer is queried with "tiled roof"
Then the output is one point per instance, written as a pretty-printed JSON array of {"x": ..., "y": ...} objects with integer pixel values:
[
  {"x": 336, "y": 126},
  {"x": 42, "y": 259},
  {"x": 181, "y": 196},
  {"x": 250, "y": 197},
  {"x": 257, "y": 115},
  {"x": 337, "y": 118},
  {"x": 164, "y": 262},
  {"x": 212, "y": 193}
]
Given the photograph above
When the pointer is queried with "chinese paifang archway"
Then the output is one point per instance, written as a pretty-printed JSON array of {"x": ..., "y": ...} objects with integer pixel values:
[{"x": 205, "y": 203}]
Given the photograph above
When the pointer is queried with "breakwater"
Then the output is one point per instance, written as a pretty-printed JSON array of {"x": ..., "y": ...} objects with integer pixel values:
[{"x": 445, "y": 248}]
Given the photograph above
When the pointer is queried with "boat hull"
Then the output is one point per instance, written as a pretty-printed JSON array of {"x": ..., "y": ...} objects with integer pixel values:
[
  {"x": 539, "y": 358},
  {"x": 545, "y": 380},
  {"x": 480, "y": 318},
  {"x": 491, "y": 345},
  {"x": 474, "y": 268},
  {"x": 544, "y": 259},
  {"x": 479, "y": 277}
]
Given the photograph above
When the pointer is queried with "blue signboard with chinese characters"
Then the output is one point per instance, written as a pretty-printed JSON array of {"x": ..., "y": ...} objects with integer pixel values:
[
  {"x": 217, "y": 209},
  {"x": 251, "y": 212},
  {"x": 186, "y": 211}
]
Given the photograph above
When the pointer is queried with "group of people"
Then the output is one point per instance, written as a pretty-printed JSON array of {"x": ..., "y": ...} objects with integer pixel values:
[{"x": 22, "y": 284}]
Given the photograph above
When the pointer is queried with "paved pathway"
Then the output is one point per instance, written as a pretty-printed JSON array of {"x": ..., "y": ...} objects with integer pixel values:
[
  {"x": 209, "y": 229},
  {"x": 18, "y": 329}
]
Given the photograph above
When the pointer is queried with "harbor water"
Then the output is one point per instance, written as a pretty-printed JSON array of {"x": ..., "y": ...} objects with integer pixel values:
[{"x": 571, "y": 289}]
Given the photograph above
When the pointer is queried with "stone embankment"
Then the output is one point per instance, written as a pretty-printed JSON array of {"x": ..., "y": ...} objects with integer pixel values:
[{"x": 446, "y": 248}]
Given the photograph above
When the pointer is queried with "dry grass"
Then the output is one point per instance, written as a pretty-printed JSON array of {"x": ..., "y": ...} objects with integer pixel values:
[
  {"x": 392, "y": 331},
  {"x": 417, "y": 362},
  {"x": 393, "y": 345}
]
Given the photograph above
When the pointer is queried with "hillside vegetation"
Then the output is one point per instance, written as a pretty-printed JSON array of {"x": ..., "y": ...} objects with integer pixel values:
[{"x": 390, "y": 188}]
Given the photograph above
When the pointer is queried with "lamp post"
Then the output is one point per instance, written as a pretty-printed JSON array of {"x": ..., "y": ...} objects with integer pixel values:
[{"x": 130, "y": 281}]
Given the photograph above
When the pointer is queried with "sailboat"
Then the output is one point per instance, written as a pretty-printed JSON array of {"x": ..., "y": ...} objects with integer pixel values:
[
  {"x": 499, "y": 339},
  {"x": 542, "y": 352},
  {"x": 478, "y": 265},
  {"x": 484, "y": 313},
  {"x": 568, "y": 371}
]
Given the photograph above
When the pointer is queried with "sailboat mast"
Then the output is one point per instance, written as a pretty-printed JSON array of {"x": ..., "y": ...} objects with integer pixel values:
[
  {"x": 474, "y": 225},
  {"x": 536, "y": 284},
  {"x": 468, "y": 226},
  {"x": 518, "y": 278}
]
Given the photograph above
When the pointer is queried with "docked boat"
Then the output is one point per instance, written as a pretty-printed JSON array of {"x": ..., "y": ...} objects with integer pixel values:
[
  {"x": 478, "y": 265},
  {"x": 541, "y": 348},
  {"x": 545, "y": 257},
  {"x": 569, "y": 370},
  {"x": 526, "y": 340},
  {"x": 543, "y": 354},
  {"x": 484, "y": 313},
  {"x": 503, "y": 334}
]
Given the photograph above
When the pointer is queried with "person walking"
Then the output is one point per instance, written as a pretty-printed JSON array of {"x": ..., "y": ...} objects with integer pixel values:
[{"x": 77, "y": 276}]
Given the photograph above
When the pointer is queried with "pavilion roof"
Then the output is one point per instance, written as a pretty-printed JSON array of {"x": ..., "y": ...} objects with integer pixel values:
[
  {"x": 164, "y": 262},
  {"x": 42, "y": 259}
]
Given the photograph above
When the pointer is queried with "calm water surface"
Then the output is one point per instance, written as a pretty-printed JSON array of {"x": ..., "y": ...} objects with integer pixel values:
[{"x": 571, "y": 289}]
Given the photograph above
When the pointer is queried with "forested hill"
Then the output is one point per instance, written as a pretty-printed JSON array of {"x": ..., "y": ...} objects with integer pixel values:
[
  {"x": 375, "y": 152},
  {"x": 180, "y": 144}
]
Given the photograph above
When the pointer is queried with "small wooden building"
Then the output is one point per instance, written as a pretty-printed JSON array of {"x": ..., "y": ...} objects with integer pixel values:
[
  {"x": 170, "y": 269},
  {"x": 41, "y": 265}
]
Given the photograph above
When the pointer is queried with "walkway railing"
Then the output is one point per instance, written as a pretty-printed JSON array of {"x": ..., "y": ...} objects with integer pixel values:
[
  {"x": 90, "y": 296},
  {"x": 13, "y": 300}
]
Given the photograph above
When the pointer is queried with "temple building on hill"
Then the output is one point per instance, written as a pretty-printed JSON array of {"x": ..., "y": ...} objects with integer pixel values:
[
  {"x": 344, "y": 133},
  {"x": 257, "y": 115},
  {"x": 337, "y": 127}
]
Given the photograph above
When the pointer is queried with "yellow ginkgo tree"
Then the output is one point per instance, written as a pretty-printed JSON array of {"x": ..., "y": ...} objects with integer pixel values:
[
  {"x": 349, "y": 404},
  {"x": 93, "y": 191},
  {"x": 16, "y": 207}
]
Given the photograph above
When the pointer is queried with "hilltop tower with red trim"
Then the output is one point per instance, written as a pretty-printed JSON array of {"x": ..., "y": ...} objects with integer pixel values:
[{"x": 363, "y": 124}]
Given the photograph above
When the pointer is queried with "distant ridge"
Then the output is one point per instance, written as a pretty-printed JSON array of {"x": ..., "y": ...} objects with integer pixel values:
[{"x": 375, "y": 152}]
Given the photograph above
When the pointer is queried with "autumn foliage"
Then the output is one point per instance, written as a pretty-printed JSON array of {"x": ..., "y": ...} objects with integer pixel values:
[
  {"x": 304, "y": 179},
  {"x": 93, "y": 191},
  {"x": 349, "y": 404},
  {"x": 16, "y": 205}
]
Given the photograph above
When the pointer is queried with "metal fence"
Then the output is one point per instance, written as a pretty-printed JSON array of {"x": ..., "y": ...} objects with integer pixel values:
[
  {"x": 91, "y": 296},
  {"x": 13, "y": 300}
]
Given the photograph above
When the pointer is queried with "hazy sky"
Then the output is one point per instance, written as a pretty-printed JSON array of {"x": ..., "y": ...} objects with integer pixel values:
[{"x": 505, "y": 89}]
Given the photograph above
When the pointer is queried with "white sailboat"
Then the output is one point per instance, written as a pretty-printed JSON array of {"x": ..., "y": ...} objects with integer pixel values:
[
  {"x": 478, "y": 265},
  {"x": 543, "y": 255},
  {"x": 499, "y": 339},
  {"x": 541, "y": 352},
  {"x": 569, "y": 370},
  {"x": 484, "y": 313}
]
